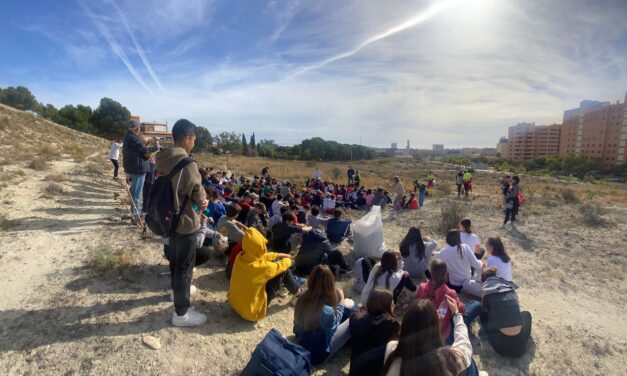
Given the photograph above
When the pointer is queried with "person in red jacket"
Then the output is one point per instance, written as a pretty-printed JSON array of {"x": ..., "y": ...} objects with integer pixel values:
[{"x": 436, "y": 290}]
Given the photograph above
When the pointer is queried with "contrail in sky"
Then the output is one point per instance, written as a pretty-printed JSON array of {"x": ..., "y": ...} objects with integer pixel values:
[
  {"x": 139, "y": 49},
  {"x": 413, "y": 21},
  {"x": 114, "y": 45}
]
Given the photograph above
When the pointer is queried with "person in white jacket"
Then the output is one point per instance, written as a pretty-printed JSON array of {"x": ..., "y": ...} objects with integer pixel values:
[
  {"x": 114, "y": 156},
  {"x": 460, "y": 260},
  {"x": 388, "y": 274}
]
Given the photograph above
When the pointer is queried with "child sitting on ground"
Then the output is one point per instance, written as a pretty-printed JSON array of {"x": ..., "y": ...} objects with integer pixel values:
[{"x": 388, "y": 274}]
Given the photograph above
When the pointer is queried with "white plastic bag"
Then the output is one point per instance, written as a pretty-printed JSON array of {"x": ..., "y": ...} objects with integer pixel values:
[{"x": 368, "y": 234}]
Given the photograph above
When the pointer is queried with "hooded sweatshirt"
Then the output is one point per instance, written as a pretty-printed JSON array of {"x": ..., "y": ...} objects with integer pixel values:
[
  {"x": 253, "y": 268},
  {"x": 187, "y": 182}
]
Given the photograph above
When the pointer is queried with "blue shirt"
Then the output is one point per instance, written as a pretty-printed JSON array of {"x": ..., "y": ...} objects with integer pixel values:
[
  {"x": 216, "y": 210},
  {"x": 318, "y": 342}
]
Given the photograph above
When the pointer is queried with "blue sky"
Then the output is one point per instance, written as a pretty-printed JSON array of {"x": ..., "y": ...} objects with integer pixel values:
[{"x": 457, "y": 72}]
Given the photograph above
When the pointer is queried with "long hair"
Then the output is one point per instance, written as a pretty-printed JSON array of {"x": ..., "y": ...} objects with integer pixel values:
[
  {"x": 466, "y": 224},
  {"x": 413, "y": 237},
  {"x": 498, "y": 249},
  {"x": 320, "y": 292},
  {"x": 389, "y": 265},
  {"x": 380, "y": 302},
  {"x": 453, "y": 239},
  {"x": 420, "y": 347},
  {"x": 439, "y": 272}
]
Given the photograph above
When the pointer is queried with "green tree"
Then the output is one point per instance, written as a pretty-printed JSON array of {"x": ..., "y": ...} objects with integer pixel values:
[
  {"x": 49, "y": 112},
  {"x": 267, "y": 148},
  {"x": 204, "y": 140},
  {"x": 19, "y": 97},
  {"x": 230, "y": 141},
  {"x": 253, "y": 145},
  {"x": 244, "y": 145},
  {"x": 76, "y": 117},
  {"x": 110, "y": 119}
]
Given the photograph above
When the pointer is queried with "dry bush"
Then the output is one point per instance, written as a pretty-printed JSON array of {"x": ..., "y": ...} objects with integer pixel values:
[
  {"x": 569, "y": 196},
  {"x": 452, "y": 212},
  {"x": 19, "y": 172},
  {"x": 54, "y": 189},
  {"x": 76, "y": 151},
  {"x": 593, "y": 215},
  {"x": 94, "y": 168},
  {"x": 445, "y": 188},
  {"x": 4, "y": 222},
  {"x": 48, "y": 151},
  {"x": 103, "y": 259},
  {"x": 39, "y": 164},
  {"x": 4, "y": 123},
  {"x": 55, "y": 178}
]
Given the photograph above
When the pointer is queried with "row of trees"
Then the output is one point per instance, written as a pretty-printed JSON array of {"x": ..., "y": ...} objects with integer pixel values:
[{"x": 110, "y": 120}]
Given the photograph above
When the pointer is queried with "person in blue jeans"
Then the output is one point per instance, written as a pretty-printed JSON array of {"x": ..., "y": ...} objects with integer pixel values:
[
  {"x": 136, "y": 163},
  {"x": 321, "y": 316}
]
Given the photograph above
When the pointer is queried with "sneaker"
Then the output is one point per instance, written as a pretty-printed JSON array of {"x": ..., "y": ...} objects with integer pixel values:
[
  {"x": 502, "y": 226},
  {"x": 190, "y": 318},
  {"x": 296, "y": 296},
  {"x": 192, "y": 292}
]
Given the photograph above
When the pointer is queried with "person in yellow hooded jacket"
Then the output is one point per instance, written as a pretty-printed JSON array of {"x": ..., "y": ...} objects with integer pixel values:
[{"x": 257, "y": 277}]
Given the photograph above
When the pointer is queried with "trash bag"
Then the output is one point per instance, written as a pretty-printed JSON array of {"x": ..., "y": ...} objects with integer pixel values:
[{"x": 368, "y": 235}]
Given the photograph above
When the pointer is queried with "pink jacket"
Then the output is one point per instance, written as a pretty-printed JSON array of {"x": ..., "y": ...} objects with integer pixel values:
[{"x": 428, "y": 290}]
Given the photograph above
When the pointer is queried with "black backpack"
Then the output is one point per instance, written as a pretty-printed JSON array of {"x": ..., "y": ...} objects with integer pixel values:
[{"x": 161, "y": 217}]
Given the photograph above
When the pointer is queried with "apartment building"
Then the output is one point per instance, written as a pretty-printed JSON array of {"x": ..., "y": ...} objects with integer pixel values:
[
  {"x": 527, "y": 141},
  {"x": 156, "y": 130},
  {"x": 597, "y": 130}
]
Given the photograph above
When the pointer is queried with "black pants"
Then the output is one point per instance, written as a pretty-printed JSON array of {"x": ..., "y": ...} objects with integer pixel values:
[
  {"x": 459, "y": 190},
  {"x": 116, "y": 166},
  {"x": 405, "y": 282},
  {"x": 511, "y": 346},
  {"x": 182, "y": 262},
  {"x": 284, "y": 279},
  {"x": 335, "y": 257},
  {"x": 202, "y": 255},
  {"x": 511, "y": 213}
]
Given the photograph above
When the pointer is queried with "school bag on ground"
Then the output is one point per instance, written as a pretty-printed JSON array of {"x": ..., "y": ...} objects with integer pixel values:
[
  {"x": 275, "y": 355},
  {"x": 161, "y": 218},
  {"x": 368, "y": 234}
]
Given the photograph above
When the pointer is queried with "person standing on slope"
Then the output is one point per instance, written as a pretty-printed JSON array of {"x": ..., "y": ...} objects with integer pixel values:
[{"x": 114, "y": 155}]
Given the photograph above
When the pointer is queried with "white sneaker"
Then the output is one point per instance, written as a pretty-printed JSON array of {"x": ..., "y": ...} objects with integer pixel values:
[
  {"x": 190, "y": 318},
  {"x": 192, "y": 292}
]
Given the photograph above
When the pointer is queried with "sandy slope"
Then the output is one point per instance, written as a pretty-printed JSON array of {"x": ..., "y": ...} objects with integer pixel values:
[{"x": 56, "y": 317}]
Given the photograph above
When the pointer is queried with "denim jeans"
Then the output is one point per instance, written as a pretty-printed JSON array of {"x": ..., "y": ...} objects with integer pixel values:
[{"x": 137, "y": 188}]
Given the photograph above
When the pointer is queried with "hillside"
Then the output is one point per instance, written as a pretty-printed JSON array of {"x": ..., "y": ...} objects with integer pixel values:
[{"x": 81, "y": 288}]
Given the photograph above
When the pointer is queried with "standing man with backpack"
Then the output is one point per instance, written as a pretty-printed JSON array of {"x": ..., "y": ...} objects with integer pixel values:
[
  {"x": 187, "y": 190},
  {"x": 136, "y": 164}
]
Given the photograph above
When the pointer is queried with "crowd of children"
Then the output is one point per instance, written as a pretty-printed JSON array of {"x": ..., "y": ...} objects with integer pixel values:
[{"x": 278, "y": 241}]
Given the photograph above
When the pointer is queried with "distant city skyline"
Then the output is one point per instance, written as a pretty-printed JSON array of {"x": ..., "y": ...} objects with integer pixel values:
[{"x": 450, "y": 72}]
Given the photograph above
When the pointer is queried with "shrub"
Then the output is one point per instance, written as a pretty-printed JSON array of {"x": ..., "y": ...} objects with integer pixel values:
[
  {"x": 4, "y": 222},
  {"x": 4, "y": 123},
  {"x": 452, "y": 212},
  {"x": 54, "y": 189},
  {"x": 445, "y": 188},
  {"x": 39, "y": 164},
  {"x": 19, "y": 172},
  {"x": 336, "y": 173},
  {"x": 569, "y": 196},
  {"x": 105, "y": 260},
  {"x": 593, "y": 215},
  {"x": 49, "y": 152},
  {"x": 55, "y": 177},
  {"x": 94, "y": 168}
]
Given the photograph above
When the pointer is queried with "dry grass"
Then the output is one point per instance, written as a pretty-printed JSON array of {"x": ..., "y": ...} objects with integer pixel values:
[
  {"x": 54, "y": 189},
  {"x": 76, "y": 151},
  {"x": 39, "y": 164},
  {"x": 19, "y": 172},
  {"x": 94, "y": 168},
  {"x": 103, "y": 259},
  {"x": 58, "y": 178},
  {"x": 4, "y": 222},
  {"x": 4, "y": 124},
  {"x": 49, "y": 152},
  {"x": 569, "y": 196},
  {"x": 452, "y": 212},
  {"x": 593, "y": 215}
]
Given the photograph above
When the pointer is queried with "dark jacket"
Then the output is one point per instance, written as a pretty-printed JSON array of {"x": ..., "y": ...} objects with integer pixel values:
[
  {"x": 312, "y": 251},
  {"x": 369, "y": 336},
  {"x": 185, "y": 183},
  {"x": 134, "y": 151}
]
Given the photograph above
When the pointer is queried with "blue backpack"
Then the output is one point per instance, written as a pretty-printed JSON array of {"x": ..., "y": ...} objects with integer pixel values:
[
  {"x": 275, "y": 355},
  {"x": 161, "y": 218}
]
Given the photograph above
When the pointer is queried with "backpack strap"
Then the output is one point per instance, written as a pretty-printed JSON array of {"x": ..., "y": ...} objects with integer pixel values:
[{"x": 179, "y": 166}]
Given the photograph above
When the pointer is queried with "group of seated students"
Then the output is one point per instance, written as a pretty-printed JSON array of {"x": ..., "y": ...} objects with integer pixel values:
[{"x": 433, "y": 335}]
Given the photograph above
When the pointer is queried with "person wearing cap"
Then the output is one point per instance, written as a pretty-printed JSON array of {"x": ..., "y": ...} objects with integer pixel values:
[{"x": 136, "y": 163}]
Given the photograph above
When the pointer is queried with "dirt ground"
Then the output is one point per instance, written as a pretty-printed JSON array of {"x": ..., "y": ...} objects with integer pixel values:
[{"x": 58, "y": 317}]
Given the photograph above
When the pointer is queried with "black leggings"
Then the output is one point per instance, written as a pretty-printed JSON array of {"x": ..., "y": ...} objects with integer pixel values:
[
  {"x": 405, "y": 282},
  {"x": 284, "y": 279},
  {"x": 116, "y": 166},
  {"x": 512, "y": 346},
  {"x": 335, "y": 257},
  {"x": 511, "y": 213}
]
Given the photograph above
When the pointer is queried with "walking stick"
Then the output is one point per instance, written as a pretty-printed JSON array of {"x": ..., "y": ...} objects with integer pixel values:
[
  {"x": 128, "y": 210},
  {"x": 139, "y": 217}
]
